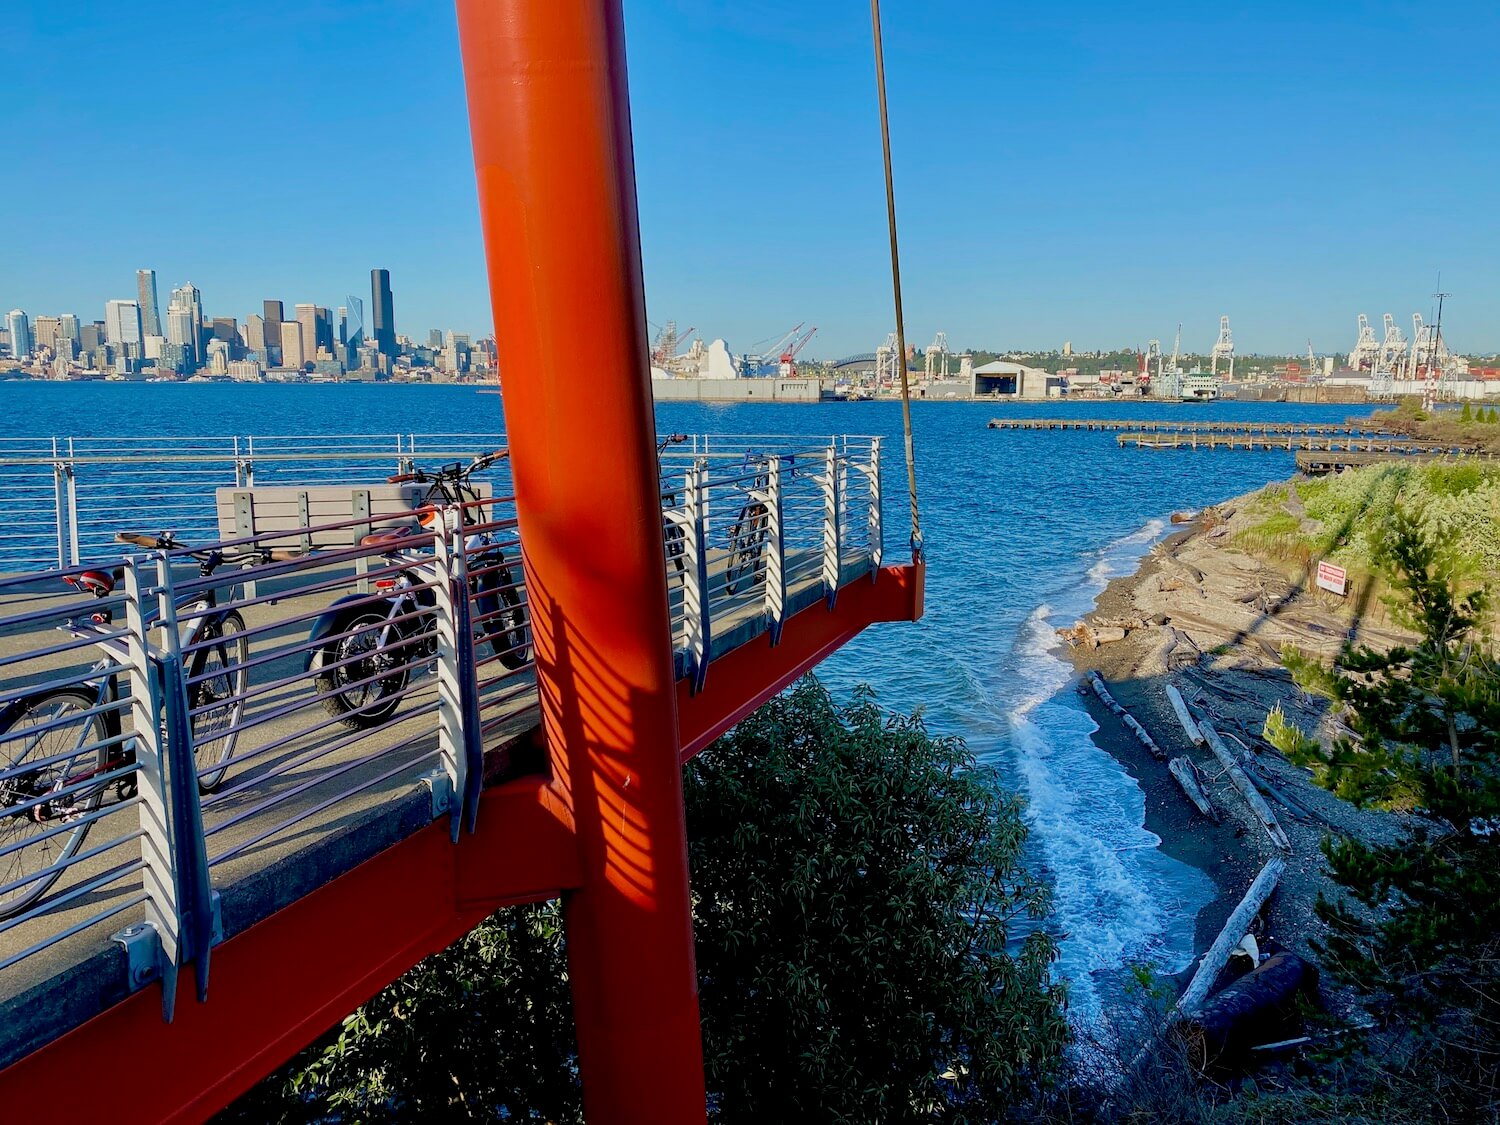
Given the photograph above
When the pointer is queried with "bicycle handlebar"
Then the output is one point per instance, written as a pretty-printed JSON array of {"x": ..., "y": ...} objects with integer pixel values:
[
  {"x": 166, "y": 541},
  {"x": 457, "y": 471}
]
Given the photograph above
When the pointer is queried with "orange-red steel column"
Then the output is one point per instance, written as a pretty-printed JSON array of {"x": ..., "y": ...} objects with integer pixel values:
[{"x": 550, "y": 118}]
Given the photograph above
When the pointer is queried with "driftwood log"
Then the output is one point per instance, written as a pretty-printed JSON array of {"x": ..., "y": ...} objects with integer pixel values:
[
  {"x": 1260, "y": 1006},
  {"x": 1097, "y": 683},
  {"x": 1246, "y": 787},
  {"x": 1192, "y": 998},
  {"x": 1187, "y": 776},
  {"x": 1179, "y": 706}
]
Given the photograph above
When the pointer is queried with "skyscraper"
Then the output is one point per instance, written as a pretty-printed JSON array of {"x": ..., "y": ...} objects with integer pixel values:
[
  {"x": 122, "y": 327},
  {"x": 180, "y": 333},
  {"x": 307, "y": 318},
  {"x": 274, "y": 312},
  {"x": 292, "y": 354},
  {"x": 70, "y": 327},
  {"x": 325, "y": 331},
  {"x": 189, "y": 300},
  {"x": 20, "y": 333},
  {"x": 145, "y": 288},
  {"x": 255, "y": 335},
  {"x": 355, "y": 328},
  {"x": 384, "y": 312}
]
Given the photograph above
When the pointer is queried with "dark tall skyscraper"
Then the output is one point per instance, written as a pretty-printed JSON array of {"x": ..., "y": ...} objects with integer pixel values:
[
  {"x": 325, "y": 329},
  {"x": 384, "y": 313},
  {"x": 271, "y": 312}
]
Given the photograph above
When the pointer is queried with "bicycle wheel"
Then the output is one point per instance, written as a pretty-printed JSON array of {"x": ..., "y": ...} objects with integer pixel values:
[
  {"x": 745, "y": 547},
  {"x": 36, "y": 838},
  {"x": 513, "y": 637},
  {"x": 674, "y": 537},
  {"x": 217, "y": 680},
  {"x": 383, "y": 668}
]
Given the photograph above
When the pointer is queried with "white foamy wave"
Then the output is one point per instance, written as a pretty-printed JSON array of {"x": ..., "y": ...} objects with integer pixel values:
[{"x": 1117, "y": 900}]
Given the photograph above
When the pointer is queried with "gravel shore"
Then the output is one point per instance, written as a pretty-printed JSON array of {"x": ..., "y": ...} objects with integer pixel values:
[{"x": 1206, "y": 617}]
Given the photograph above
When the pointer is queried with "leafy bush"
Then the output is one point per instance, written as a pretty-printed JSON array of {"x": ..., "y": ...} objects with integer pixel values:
[{"x": 858, "y": 881}]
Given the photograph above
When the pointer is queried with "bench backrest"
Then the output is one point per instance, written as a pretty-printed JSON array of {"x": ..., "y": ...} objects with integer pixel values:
[{"x": 250, "y": 511}]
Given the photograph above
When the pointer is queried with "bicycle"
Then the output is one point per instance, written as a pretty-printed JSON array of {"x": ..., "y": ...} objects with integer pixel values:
[
  {"x": 749, "y": 533},
  {"x": 63, "y": 749},
  {"x": 365, "y": 647}
]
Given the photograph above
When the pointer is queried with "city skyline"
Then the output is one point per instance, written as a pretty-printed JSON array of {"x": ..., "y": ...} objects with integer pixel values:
[{"x": 1087, "y": 174}]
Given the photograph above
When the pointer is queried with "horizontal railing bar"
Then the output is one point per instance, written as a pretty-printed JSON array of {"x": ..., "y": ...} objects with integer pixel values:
[{"x": 321, "y": 806}]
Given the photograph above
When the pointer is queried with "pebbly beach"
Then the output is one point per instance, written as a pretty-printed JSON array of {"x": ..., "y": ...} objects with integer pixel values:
[{"x": 1203, "y": 616}]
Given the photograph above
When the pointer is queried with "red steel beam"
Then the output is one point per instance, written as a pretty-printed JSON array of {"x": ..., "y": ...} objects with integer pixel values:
[
  {"x": 744, "y": 678},
  {"x": 550, "y": 118}
]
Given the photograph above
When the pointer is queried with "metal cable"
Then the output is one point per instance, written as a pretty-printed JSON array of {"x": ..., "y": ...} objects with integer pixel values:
[{"x": 890, "y": 209}]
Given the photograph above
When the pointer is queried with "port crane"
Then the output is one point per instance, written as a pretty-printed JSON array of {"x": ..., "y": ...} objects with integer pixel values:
[
  {"x": 788, "y": 364},
  {"x": 668, "y": 343},
  {"x": 938, "y": 359},
  {"x": 764, "y": 356},
  {"x": 1366, "y": 348},
  {"x": 1223, "y": 349}
]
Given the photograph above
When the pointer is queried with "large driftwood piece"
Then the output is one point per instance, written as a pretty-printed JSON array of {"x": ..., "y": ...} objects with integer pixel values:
[
  {"x": 1246, "y": 787},
  {"x": 1192, "y": 998},
  {"x": 1179, "y": 705},
  {"x": 1097, "y": 683},
  {"x": 1187, "y": 777}
]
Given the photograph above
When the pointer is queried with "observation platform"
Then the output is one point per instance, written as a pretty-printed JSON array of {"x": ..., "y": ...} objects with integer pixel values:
[{"x": 217, "y": 847}]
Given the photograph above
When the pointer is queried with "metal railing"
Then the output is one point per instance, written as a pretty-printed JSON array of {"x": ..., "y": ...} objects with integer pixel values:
[{"x": 218, "y": 707}]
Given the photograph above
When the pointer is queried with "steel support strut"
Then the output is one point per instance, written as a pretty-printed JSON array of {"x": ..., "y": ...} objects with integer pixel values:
[{"x": 548, "y": 107}]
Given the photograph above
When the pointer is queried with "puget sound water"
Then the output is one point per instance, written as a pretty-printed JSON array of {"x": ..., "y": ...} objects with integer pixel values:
[{"x": 1022, "y": 531}]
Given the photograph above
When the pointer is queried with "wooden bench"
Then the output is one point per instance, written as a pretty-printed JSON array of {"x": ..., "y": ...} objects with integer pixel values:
[{"x": 299, "y": 516}]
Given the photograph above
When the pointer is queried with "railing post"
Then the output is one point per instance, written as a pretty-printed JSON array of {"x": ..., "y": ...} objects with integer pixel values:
[
  {"x": 776, "y": 541},
  {"x": 158, "y": 854},
  {"x": 695, "y": 613},
  {"x": 876, "y": 525},
  {"x": 832, "y": 527},
  {"x": 59, "y": 504},
  {"x": 197, "y": 902},
  {"x": 458, "y": 731},
  {"x": 71, "y": 480}
]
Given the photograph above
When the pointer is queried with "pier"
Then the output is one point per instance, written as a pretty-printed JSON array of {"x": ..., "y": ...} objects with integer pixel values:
[
  {"x": 1356, "y": 427},
  {"x": 1382, "y": 448}
]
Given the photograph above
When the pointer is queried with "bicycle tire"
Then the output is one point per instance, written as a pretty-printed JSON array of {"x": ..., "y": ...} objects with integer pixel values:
[
  {"x": 231, "y": 654},
  {"x": 745, "y": 546},
  {"x": 674, "y": 537},
  {"x": 342, "y": 695},
  {"x": 59, "y": 848},
  {"x": 514, "y": 633}
]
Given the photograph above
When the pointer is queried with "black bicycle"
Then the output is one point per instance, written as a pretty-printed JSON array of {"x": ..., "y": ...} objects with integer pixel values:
[
  {"x": 748, "y": 535},
  {"x": 365, "y": 647}
]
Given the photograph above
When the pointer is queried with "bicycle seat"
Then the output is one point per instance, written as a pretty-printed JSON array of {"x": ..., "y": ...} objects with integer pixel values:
[
  {"x": 390, "y": 537},
  {"x": 96, "y": 582}
]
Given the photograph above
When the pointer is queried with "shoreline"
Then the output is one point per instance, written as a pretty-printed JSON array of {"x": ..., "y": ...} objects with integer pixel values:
[{"x": 1211, "y": 619}]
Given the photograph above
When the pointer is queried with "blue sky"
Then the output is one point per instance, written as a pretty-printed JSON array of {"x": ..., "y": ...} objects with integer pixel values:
[{"x": 1094, "y": 172}]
